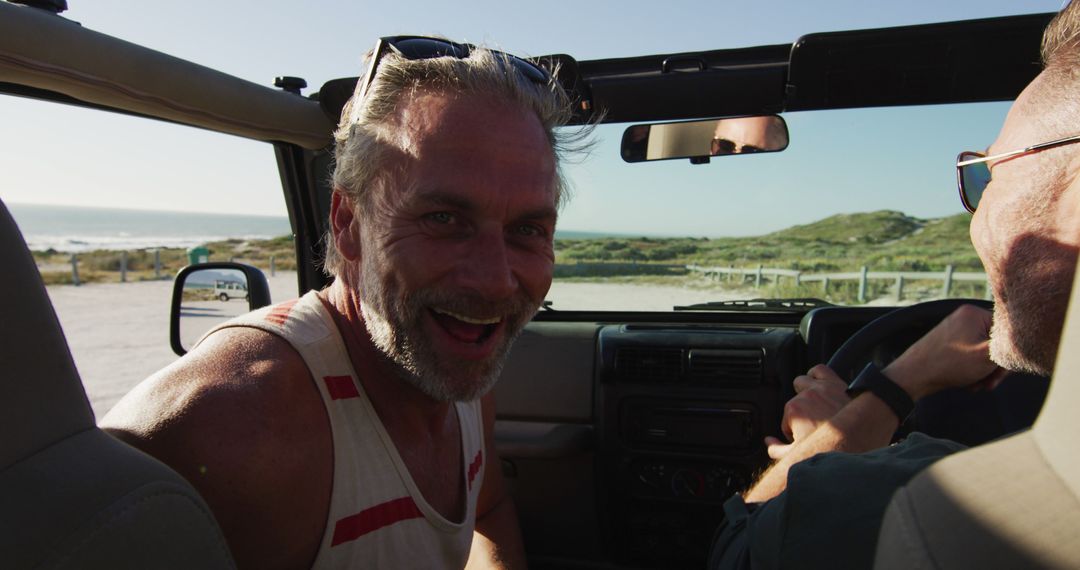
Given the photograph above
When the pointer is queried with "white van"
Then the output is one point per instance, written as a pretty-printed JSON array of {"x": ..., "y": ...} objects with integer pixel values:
[{"x": 225, "y": 290}]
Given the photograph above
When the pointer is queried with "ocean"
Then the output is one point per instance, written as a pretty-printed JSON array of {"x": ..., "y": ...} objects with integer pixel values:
[
  {"x": 75, "y": 229},
  {"x": 78, "y": 229}
]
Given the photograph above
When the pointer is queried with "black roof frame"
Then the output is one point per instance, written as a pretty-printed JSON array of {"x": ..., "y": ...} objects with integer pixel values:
[{"x": 989, "y": 59}]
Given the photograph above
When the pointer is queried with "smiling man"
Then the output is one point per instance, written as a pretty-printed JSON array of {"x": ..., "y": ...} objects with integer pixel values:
[{"x": 350, "y": 428}]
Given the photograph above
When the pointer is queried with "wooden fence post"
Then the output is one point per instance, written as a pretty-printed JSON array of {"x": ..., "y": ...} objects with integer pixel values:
[
  {"x": 123, "y": 266},
  {"x": 157, "y": 263},
  {"x": 74, "y": 270},
  {"x": 758, "y": 274},
  {"x": 272, "y": 270},
  {"x": 862, "y": 285}
]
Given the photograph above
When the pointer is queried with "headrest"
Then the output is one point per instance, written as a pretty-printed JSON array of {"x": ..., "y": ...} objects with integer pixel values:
[
  {"x": 1058, "y": 425},
  {"x": 41, "y": 398}
]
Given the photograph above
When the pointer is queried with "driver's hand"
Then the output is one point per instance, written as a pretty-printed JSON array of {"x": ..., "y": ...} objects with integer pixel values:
[
  {"x": 819, "y": 394},
  {"x": 955, "y": 353}
]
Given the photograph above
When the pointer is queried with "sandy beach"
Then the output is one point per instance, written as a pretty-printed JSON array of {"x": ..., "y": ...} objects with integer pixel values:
[{"x": 119, "y": 332}]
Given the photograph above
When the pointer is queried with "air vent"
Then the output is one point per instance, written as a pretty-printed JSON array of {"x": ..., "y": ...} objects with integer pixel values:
[
  {"x": 648, "y": 364},
  {"x": 725, "y": 366}
]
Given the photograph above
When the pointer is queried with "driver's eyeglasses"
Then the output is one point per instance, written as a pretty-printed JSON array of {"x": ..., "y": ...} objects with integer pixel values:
[
  {"x": 721, "y": 145},
  {"x": 422, "y": 47},
  {"x": 973, "y": 169}
]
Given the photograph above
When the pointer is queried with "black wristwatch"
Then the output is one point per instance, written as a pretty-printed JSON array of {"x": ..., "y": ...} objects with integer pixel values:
[{"x": 872, "y": 380}]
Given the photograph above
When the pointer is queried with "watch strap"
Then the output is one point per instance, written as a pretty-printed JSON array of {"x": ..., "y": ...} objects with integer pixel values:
[{"x": 873, "y": 380}]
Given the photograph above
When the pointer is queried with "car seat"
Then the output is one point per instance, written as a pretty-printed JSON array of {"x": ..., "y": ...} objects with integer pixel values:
[
  {"x": 71, "y": 496},
  {"x": 1012, "y": 503}
]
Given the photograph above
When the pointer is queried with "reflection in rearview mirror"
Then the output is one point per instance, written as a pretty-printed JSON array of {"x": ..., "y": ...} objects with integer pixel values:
[
  {"x": 210, "y": 297},
  {"x": 699, "y": 140}
]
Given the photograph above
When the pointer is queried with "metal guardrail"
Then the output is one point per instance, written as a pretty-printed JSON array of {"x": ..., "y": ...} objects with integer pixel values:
[{"x": 947, "y": 277}]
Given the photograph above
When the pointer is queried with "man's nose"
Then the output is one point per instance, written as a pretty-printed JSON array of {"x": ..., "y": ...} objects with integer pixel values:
[{"x": 486, "y": 268}]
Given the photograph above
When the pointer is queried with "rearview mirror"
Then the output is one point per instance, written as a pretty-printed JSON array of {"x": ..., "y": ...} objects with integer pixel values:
[
  {"x": 700, "y": 140},
  {"x": 208, "y": 294}
]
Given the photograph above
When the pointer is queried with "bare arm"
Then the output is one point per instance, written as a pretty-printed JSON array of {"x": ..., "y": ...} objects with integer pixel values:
[
  {"x": 240, "y": 419},
  {"x": 954, "y": 353},
  {"x": 497, "y": 540}
]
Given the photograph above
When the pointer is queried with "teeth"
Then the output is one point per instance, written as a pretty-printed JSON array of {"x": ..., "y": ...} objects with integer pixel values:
[{"x": 470, "y": 320}]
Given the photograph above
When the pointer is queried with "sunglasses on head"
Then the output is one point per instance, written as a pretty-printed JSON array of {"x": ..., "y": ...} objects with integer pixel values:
[
  {"x": 421, "y": 47},
  {"x": 973, "y": 169}
]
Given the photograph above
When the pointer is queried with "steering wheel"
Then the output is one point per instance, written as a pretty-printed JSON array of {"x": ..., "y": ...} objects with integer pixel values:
[
  {"x": 918, "y": 319},
  {"x": 943, "y": 414}
]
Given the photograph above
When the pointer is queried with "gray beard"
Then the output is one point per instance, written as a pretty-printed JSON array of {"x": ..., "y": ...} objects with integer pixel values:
[
  {"x": 394, "y": 322},
  {"x": 1017, "y": 352},
  {"x": 1030, "y": 311}
]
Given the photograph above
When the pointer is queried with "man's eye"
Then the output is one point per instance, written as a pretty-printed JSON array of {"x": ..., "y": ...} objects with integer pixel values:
[
  {"x": 530, "y": 230},
  {"x": 441, "y": 217}
]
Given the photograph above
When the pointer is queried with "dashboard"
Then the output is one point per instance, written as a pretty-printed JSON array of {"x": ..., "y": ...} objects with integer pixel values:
[
  {"x": 683, "y": 409},
  {"x": 621, "y": 435}
]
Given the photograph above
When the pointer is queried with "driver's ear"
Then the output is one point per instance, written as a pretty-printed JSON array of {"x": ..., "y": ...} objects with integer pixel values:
[{"x": 346, "y": 226}]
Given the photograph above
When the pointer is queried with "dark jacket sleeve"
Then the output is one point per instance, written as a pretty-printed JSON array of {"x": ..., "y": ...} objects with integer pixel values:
[
  {"x": 830, "y": 513},
  {"x": 751, "y": 535}
]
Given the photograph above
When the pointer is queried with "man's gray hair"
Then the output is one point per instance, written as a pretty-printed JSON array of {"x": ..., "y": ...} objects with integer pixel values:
[
  {"x": 365, "y": 131},
  {"x": 1061, "y": 41}
]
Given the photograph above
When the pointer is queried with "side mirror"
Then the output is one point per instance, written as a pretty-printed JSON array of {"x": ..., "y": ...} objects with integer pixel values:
[
  {"x": 700, "y": 140},
  {"x": 208, "y": 294}
]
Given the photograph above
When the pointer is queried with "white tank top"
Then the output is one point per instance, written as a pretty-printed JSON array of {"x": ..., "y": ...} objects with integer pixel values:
[{"x": 377, "y": 518}]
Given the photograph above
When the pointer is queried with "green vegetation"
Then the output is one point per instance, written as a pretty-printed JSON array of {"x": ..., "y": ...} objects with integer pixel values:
[
  {"x": 256, "y": 252},
  {"x": 103, "y": 266},
  {"x": 882, "y": 241}
]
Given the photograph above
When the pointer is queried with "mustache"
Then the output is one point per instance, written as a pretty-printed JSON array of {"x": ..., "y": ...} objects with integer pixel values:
[{"x": 472, "y": 304}]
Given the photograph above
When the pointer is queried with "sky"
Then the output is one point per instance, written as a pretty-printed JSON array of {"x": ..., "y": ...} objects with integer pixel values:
[{"x": 54, "y": 154}]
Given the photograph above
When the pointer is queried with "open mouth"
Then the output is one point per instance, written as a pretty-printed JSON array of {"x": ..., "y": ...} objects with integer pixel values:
[{"x": 471, "y": 330}]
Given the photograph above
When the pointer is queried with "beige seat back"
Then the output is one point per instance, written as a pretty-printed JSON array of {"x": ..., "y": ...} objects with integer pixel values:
[
  {"x": 72, "y": 496},
  {"x": 1013, "y": 503}
]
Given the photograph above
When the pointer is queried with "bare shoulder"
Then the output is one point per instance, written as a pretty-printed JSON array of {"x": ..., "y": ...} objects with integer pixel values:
[
  {"x": 241, "y": 419},
  {"x": 229, "y": 382}
]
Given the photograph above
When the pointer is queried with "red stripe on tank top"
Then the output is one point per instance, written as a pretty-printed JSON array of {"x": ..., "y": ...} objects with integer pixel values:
[
  {"x": 341, "y": 387},
  {"x": 372, "y": 519},
  {"x": 474, "y": 467},
  {"x": 280, "y": 313}
]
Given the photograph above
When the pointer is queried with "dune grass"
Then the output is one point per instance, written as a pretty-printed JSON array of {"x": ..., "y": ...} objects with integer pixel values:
[{"x": 881, "y": 241}]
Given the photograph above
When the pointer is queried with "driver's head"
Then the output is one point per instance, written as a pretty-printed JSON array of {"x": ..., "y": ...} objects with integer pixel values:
[
  {"x": 747, "y": 135},
  {"x": 1026, "y": 229}
]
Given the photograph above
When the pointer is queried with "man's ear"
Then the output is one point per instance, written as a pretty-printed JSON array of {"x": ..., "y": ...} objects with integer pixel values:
[{"x": 346, "y": 227}]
